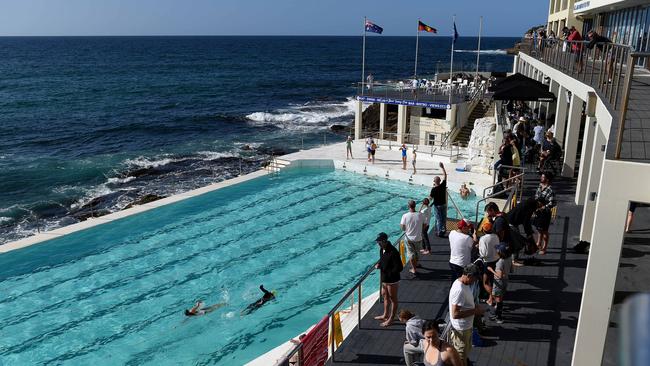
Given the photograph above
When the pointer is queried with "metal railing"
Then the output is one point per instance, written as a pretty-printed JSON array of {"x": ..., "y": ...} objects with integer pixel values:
[
  {"x": 356, "y": 288},
  {"x": 511, "y": 190},
  {"x": 607, "y": 67},
  {"x": 436, "y": 92}
]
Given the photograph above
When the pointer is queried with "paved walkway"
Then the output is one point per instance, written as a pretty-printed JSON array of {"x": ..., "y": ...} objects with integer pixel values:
[{"x": 541, "y": 310}]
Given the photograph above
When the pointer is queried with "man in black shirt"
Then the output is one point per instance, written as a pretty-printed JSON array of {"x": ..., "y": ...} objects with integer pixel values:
[
  {"x": 522, "y": 215},
  {"x": 597, "y": 40},
  {"x": 439, "y": 197}
]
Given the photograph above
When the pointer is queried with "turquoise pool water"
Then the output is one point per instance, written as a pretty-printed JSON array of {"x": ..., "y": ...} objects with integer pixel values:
[{"x": 115, "y": 294}]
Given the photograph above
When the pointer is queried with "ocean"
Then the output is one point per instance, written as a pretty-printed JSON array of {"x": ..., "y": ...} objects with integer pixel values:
[{"x": 91, "y": 125}]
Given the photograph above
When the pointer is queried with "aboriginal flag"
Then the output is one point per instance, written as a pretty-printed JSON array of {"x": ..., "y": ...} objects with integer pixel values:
[{"x": 425, "y": 28}]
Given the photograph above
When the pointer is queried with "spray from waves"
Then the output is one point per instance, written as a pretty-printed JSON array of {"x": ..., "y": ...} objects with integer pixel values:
[
  {"x": 487, "y": 52},
  {"x": 312, "y": 115}
]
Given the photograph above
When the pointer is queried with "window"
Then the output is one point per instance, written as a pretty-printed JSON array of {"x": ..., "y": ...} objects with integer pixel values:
[{"x": 434, "y": 113}]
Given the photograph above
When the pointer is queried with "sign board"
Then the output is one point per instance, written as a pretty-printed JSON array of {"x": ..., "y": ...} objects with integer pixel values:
[{"x": 410, "y": 103}]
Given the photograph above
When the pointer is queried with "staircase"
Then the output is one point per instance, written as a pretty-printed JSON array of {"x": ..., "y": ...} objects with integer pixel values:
[{"x": 482, "y": 109}]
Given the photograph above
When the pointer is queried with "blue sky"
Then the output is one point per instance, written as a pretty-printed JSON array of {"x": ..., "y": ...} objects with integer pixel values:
[{"x": 263, "y": 17}]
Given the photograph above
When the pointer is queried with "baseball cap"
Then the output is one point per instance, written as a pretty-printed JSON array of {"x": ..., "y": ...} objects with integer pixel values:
[
  {"x": 463, "y": 224},
  {"x": 487, "y": 226},
  {"x": 381, "y": 237}
]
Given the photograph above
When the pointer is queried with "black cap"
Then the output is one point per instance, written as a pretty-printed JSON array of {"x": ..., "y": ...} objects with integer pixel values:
[{"x": 382, "y": 237}]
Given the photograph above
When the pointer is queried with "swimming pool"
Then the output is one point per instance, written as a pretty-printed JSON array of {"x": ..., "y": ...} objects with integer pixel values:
[{"x": 115, "y": 293}]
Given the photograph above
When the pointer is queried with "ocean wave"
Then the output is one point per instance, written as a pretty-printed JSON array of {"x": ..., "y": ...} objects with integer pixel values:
[
  {"x": 117, "y": 180},
  {"x": 214, "y": 155},
  {"x": 487, "y": 52},
  {"x": 147, "y": 162},
  {"x": 311, "y": 114}
]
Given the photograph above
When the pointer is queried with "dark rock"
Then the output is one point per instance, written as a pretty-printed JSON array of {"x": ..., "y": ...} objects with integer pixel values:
[
  {"x": 339, "y": 128},
  {"x": 144, "y": 199}
]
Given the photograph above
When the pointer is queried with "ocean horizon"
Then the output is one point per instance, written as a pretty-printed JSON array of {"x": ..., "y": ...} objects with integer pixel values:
[{"x": 92, "y": 124}]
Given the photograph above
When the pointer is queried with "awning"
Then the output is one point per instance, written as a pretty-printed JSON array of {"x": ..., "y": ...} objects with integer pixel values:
[{"x": 520, "y": 87}]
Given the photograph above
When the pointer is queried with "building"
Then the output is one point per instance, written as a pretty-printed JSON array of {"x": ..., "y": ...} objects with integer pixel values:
[
  {"x": 561, "y": 14},
  {"x": 609, "y": 104},
  {"x": 624, "y": 22}
]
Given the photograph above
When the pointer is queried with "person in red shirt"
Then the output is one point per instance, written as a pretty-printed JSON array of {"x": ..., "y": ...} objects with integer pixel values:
[{"x": 576, "y": 47}]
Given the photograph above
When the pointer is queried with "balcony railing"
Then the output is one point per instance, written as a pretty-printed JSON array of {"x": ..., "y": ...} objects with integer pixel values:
[{"x": 607, "y": 67}]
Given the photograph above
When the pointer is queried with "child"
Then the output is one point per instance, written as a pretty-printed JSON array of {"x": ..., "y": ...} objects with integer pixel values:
[
  {"x": 412, "y": 349},
  {"x": 501, "y": 273}
]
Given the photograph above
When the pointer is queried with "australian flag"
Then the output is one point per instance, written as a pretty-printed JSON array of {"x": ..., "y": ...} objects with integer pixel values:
[
  {"x": 455, "y": 33},
  {"x": 372, "y": 27}
]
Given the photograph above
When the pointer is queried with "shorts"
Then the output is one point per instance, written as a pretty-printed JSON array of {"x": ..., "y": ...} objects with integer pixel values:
[
  {"x": 499, "y": 288},
  {"x": 489, "y": 274},
  {"x": 413, "y": 249},
  {"x": 633, "y": 206},
  {"x": 461, "y": 340},
  {"x": 543, "y": 220},
  {"x": 372, "y": 152}
]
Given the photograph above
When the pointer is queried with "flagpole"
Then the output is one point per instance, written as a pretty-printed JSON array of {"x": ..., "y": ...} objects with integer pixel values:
[
  {"x": 451, "y": 66},
  {"x": 478, "y": 51},
  {"x": 417, "y": 44},
  {"x": 363, "y": 57}
]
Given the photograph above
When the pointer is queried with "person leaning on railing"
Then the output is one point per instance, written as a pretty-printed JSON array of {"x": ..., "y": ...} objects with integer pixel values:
[
  {"x": 599, "y": 41},
  {"x": 576, "y": 47}
]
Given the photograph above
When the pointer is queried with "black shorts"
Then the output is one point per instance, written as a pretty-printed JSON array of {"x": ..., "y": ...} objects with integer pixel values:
[
  {"x": 633, "y": 206},
  {"x": 372, "y": 152}
]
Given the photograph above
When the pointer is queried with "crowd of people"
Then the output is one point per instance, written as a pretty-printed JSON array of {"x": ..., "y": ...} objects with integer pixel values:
[{"x": 481, "y": 260}]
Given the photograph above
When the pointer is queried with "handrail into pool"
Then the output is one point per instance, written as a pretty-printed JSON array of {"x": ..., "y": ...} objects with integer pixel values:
[
  {"x": 357, "y": 287},
  {"x": 513, "y": 178},
  {"x": 512, "y": 189}
]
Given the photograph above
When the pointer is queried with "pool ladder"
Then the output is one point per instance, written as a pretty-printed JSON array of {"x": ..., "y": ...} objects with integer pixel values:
[{"x": 274, "y": 165}]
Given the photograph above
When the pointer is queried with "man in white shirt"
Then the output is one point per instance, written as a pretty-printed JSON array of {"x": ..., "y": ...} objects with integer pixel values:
[
  {"x": 460, "y": 243},
  {"x": 487, "y": 251},
  {"x": 411, "y": 224},
  {"x": 462, "y": 310}
]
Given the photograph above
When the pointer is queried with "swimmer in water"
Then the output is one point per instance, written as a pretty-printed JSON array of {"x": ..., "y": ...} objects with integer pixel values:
[
  {"x": 200, "y": 309},
  {"x": 268, "y": 296}
]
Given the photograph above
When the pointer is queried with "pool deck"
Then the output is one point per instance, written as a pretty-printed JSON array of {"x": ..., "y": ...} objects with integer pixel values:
[{"x": 541, "y": 308}]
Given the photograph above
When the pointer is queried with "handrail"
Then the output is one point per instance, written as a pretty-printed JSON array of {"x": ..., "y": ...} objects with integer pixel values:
[
  {"x": 357, "y": 287},
  {"x": 450, "y": 198},
  {"x": 631, "y": 60},
  {"x": 493, "y": 195},
  {"x": 513, "y": 178}
]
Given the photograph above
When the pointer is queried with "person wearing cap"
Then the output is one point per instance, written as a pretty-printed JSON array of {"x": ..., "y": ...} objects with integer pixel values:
[
  {"x": 390, "y": 267},
  {"x": 462, "y": 310},
  {"x": 411, "y": 224},
  {"x": 500, "y": 273},
  {"x": 460, "y": 244},
  {"x": 439, "y": 196},
  {"x": 488, "y": 253}
]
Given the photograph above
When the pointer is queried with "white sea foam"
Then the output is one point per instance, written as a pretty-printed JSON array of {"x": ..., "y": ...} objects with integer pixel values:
[
  {"x": 145, "y": 162},
  {"x": 314, "y": 115},
  {"x": 487, "y": 52},
  {"x": 214, "y": 155},
  {"x": 116, "y": 180}
]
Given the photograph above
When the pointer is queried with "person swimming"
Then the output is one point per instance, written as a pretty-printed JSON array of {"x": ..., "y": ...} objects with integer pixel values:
[
  {"x": 200, "y": 309},
  {"x": 268, "y": 296}
]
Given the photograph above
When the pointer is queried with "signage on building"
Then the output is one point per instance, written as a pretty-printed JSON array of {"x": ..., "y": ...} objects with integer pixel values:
[
  {"x": 580, "y": 6},
  {"x": 410, "y": 103}
]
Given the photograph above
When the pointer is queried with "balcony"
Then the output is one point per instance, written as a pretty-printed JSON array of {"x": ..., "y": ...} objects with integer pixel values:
[{"x": 612, "y": 71}]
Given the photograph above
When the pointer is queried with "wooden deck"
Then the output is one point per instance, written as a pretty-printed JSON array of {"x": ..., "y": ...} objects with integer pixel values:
[{"x": 541, "y": 309}]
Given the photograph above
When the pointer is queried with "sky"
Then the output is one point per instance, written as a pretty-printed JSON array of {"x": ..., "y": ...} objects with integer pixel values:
[{"x": 264, "y": 17}]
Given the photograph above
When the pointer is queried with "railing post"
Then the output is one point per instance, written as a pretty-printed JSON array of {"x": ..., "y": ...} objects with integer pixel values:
[
  {"x": 331, "y": 337},
  {"x": 626, "y": 98},
  {"x": 359, "y": 309}
]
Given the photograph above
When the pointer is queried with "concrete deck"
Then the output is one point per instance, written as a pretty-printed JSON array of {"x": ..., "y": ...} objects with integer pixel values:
[{"x": 541, "y": 308}]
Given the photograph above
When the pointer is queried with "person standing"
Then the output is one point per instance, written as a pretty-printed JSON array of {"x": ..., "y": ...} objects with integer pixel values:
[
  {"x": 544, "y": 192},
  {"x": 403, "y": 149},
  {"x": 415, "y": 156},
  {"x": 439, "y": 196},
  {"x": 462, "y": 310},
  {"x": 413, "y": 326},
  {"x": 501, "y": 273},
  {"x": 348, "y": 145},
  {"x": 425, "y": 211},
  {"x": 373, "y": 150},
  {"x": 488, "y": 253},
  {"x": 390, "y": 267},
  {"x": 368, "y": 148},
  {"x": 576, "y": 47},
  {"x": 522, "y": 215},
  {"x": 411, "y": 224},
  {"x": 460, "y": 244}
]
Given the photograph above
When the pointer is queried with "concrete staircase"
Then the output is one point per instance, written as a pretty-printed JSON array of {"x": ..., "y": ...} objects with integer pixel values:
[{"x": 482, "y": 109}]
